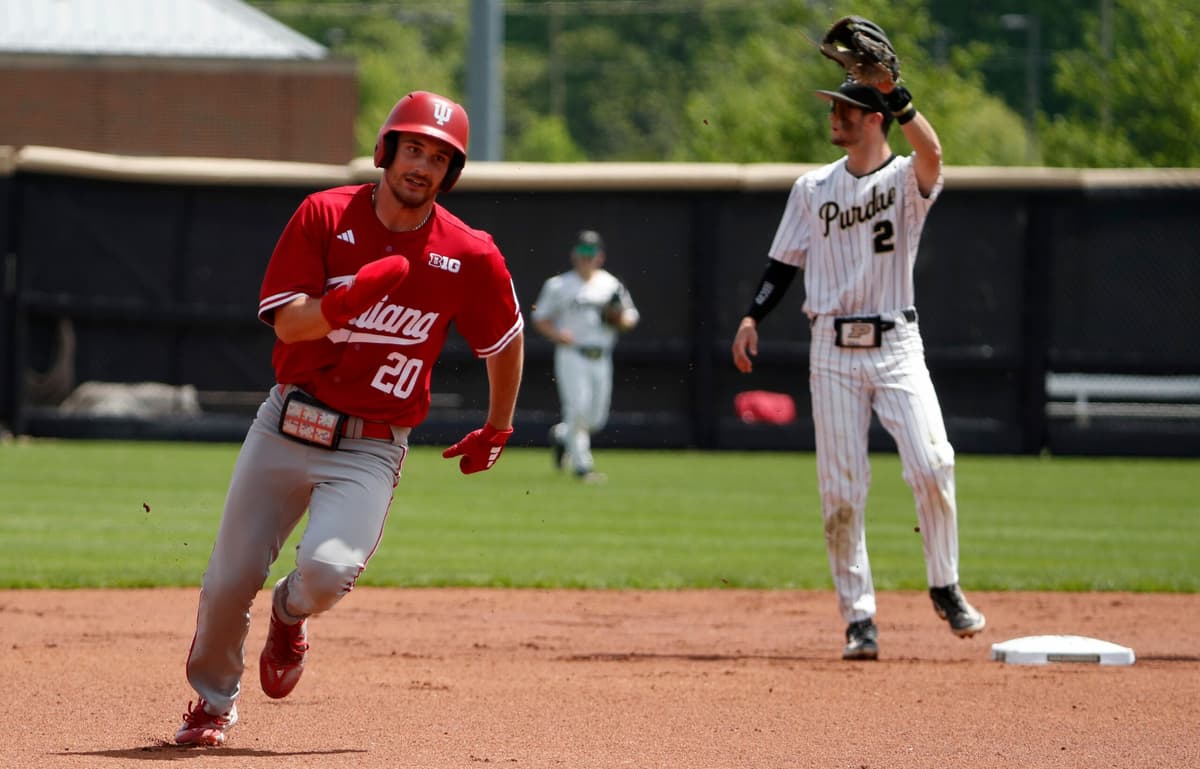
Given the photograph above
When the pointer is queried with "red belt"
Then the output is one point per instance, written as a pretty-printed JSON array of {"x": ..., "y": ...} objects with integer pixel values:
[{"x": 378, "y": 430}]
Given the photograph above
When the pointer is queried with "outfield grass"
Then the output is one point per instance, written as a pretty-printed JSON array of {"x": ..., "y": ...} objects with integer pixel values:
[{"x": 77, "y": 513}]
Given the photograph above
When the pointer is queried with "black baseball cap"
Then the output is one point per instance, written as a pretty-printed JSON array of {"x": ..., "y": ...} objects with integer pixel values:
[{"x": 857, "y": 95}]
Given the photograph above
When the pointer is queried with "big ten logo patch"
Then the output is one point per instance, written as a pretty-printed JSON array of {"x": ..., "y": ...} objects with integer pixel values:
[{"x": 447, "y": 263}]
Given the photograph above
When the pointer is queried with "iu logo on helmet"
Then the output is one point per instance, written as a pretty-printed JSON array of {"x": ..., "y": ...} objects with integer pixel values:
[{"x": 442, "y": 112}]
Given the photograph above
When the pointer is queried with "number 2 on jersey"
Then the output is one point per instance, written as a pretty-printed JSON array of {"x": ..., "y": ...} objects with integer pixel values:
[
  {"x": 884, "y": 232},
  {"x": 400, "y": 377}
]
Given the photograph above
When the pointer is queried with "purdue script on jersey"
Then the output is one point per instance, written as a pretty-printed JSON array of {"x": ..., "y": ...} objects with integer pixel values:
[{"x": 830, "y": 211}]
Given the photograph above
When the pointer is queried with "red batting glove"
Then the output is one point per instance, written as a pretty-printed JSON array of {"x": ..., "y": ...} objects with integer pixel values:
[
  {"x": 371, "y": 283},
  {"x": 479, "y": 450}
]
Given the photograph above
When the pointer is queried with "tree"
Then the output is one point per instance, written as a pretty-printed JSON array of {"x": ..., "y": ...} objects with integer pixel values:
[
  {"x": 758, "y": 103},
  {"x": 394, "y": 60},
  {"x": 397, "y": 50},
  {"x": 1139, "y": 107},
  {"x": 617, "y": 75},
  {"x": 713, "y": 80}
]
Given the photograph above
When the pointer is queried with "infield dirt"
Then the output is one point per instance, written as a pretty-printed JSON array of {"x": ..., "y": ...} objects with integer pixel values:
[{"x": 435, "y": 678}]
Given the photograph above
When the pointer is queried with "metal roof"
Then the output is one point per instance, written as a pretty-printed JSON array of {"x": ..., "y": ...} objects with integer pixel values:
[{"x": 188, "y": 28}]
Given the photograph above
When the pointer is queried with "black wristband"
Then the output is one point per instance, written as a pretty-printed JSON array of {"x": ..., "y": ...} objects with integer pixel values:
[{"x": 897, "y": 100}]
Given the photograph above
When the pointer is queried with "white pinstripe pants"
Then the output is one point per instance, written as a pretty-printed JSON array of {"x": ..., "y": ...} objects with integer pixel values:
[{"x": 893, "y": 380}]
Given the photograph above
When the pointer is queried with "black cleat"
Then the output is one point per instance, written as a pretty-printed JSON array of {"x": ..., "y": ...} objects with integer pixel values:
[
  {"x": 950, "y": 604},
  {"x": 862, "y": 641}
]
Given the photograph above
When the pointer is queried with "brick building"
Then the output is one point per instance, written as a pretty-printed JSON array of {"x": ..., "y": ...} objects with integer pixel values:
[{"x": 198, "y": 78}]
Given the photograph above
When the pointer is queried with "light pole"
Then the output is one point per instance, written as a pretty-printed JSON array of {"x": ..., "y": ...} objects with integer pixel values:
[
  {"x": 1106, "y": 48},
  {"x": 1033, "y": 54},
  {"x": 485, "y": 79}
]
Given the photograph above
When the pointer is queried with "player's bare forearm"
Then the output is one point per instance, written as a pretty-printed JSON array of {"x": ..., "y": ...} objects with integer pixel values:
[
  {"x": 546, "y": 328},
  {"x": 927, "y": 160},
  {"x": 504, "y": 382},
  {"x": 745, "y": 345},
  {"x": 301, "y": 320}
]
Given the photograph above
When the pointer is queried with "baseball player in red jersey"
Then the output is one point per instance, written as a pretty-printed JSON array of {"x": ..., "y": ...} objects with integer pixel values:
[
  {"x": 361, "y": 290},
  {"x": 853, "y": 226}
]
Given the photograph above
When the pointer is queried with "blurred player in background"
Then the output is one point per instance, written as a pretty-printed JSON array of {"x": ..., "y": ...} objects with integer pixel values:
[
  {"x": 853, "y": 226},
  {"x": 582, "y": 311},
  {"x": 361, "y": 290}
]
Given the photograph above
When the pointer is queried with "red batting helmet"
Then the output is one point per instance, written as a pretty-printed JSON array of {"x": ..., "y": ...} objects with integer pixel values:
[{"x": 428, "y": 114}]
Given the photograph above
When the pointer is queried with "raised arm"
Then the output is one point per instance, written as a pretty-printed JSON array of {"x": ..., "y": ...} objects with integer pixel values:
[{"x": 927, "y": 148}]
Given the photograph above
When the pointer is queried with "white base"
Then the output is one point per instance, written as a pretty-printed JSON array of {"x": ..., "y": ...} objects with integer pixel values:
[{"x": 1044, "y": 649}]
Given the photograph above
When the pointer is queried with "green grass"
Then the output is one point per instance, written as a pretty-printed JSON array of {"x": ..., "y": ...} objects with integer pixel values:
[{"x": 74, "y": 514}]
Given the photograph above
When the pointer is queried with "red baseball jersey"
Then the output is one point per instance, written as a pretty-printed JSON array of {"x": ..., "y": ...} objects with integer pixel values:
[{"x": 379, "y": 366}]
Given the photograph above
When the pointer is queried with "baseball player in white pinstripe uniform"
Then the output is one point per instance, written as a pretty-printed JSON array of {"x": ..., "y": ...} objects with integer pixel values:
[{"x": 853, "y": 226}]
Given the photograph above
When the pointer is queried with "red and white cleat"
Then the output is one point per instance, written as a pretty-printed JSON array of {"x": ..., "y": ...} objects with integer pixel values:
[
  {"x": 282, "y": 658},
  {"x": 200, "y": 727}
]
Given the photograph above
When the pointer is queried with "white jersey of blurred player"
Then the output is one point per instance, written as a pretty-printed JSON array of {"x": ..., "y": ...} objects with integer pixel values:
[{"x": 570, "y": 311}]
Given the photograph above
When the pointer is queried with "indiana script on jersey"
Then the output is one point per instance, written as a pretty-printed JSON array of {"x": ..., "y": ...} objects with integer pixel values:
[{"x": 403, "y": 325}]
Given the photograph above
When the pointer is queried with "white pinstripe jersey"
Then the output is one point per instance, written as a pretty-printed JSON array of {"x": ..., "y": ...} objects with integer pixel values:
[{"x": 855, "y": 237}]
